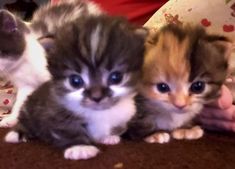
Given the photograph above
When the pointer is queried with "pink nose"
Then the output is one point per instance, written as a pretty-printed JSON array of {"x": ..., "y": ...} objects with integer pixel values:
[
  {"x": 179, "y": 100},
  {"x": 180, "y": 106}
]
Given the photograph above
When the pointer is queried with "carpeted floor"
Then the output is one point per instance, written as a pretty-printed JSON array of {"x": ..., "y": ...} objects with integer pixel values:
[{"x": 214, "y": 151}]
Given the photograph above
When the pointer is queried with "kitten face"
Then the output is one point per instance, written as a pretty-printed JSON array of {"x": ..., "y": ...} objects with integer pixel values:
[
  {"x": 183, "y": 69},
  {"x": 12, "y": 41},
  {"x": 95, "y": 62}
]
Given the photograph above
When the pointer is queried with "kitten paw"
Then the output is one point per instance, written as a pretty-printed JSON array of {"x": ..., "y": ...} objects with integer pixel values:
[
  {"x": 8, "y": 122},
  {"x": 80, "y": 152},
  {"x": 14, "y": 137},
  {"x": 111, "y": 140},
  {"x": 189, "y": 134},
  {"x": 158, "y": 138}
]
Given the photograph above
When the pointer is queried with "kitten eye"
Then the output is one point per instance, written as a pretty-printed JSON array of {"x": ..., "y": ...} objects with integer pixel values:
[
  {"x": 76, "y": 81},
  {"x": 115, "y": 78},
  {"x": 197, "y": 87},
  {"x": 163, "y": 87}
]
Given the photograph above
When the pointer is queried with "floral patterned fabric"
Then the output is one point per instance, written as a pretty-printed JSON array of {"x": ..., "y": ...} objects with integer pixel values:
[
  {"x": 7, "y": 97},
  {"x": 218, "y": 16}
]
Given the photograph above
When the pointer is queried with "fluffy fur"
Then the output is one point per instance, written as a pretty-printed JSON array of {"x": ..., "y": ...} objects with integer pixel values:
[
  {"x": 49, "y": 17},
  {"x": 22, "y": 46},
  {"x": 90, "y": 98},
  {"x": 184, "y": 69},
  {"x": 22, "y": 60}
]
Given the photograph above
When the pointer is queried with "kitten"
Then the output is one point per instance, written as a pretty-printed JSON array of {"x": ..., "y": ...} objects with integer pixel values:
[
  {"x": 31, "y": 39},
  {"x": 184, "y": 68},
  {"x": 90, "y": 98},
  {"x": 22, "y": 60}
]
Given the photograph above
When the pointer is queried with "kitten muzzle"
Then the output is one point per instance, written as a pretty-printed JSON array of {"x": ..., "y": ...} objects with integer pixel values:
[{"x": 97, "y": 94}]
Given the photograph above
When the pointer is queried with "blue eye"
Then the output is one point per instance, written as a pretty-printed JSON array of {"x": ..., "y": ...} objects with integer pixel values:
[
  {"x": 76, "y": 81},
  {"x": 197, "y": 87},
  {"x": 163, "y": 87},
  {"x": 115, "y": 78}
]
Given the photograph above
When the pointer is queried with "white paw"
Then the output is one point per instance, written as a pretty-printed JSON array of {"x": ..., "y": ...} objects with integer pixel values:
[
  {"x": 158, "y": 138},
  {"x": 8, "y": 121},
  {"x": 189, "y": 134},
  {"x": 80, "y": 152},
  {"x": 12, "y": 137},
  {"x": 179, "y": 134},
  {"x": 111, "y": 140},
  {"x": 196, "y": 133}
]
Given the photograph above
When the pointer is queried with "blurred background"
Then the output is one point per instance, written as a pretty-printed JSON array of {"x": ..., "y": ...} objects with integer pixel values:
[{"x": 23, "y": 8}]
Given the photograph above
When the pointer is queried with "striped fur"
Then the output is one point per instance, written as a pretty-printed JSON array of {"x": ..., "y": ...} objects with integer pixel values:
[
  {"x": 71, "y": 117},
  {"x": 48, "y": 18},
  {"x": 178, "y": 56}
]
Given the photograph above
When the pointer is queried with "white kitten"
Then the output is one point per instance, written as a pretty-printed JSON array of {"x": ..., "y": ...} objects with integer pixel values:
[{"x": 22, "y": 60}]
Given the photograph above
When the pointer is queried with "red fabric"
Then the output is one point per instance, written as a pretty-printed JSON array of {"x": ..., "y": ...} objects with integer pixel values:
[{"x": 137, "y": 11}]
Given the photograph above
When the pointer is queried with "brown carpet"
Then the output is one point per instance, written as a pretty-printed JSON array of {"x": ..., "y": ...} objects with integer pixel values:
[{"x": 213, "y": 151}]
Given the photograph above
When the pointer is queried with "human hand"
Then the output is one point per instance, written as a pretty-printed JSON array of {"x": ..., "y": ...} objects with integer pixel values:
[{"x": 221, "y": 114}]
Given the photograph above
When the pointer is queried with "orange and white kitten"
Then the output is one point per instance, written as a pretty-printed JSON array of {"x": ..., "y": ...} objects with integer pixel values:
[{"x": 184, "y": 69}]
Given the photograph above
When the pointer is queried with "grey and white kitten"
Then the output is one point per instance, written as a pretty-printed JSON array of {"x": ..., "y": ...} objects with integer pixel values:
[
  {"x": 95, "y": 66},
  {"x": 184, "y": 69},
  {"x": 22, "y": 54},
  {"x": 22, "y": 60}
]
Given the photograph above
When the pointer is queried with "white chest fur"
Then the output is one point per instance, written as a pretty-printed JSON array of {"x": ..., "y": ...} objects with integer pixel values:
[
  {"x": 31, "y": 69},
  {"x": 173, "y": 120},
  {"x": 101, "y": 123}
]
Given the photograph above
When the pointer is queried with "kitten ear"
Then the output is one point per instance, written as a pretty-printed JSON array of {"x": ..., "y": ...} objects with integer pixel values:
[
  {"x": 152, "y": 38},
  {"x": 223, "y": 44},
  {"x": 7, "y": 21},
  {"x": 227, "y": 49},
  {"x": 48, "y": 43},
  {"x": 231, "y": 58},
  {"x": 143, "y": 32}
]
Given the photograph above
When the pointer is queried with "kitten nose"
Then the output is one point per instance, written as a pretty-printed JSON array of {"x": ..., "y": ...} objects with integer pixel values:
[
  {"x": 97, "y": 99},
  {"x": 180, "y": 102},
  {"x": 180, "y": 106},
  {"x": 96, "y": 94}
]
